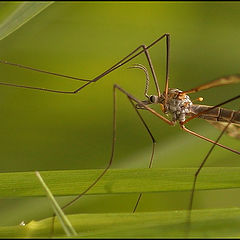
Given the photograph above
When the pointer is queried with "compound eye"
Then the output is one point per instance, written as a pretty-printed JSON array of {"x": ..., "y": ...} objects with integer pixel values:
[{"x": 153, "y": 99}]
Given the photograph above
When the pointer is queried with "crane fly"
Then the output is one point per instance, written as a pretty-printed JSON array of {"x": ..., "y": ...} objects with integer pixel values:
[{"x": 172, "y": 101}]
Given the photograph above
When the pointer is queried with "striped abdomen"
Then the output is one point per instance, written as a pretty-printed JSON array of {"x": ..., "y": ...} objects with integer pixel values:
[{"x": 217, "y": 114}]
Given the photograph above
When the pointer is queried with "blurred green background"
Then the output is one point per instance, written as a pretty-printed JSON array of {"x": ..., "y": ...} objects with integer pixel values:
[{"x": 47, "y": 131}]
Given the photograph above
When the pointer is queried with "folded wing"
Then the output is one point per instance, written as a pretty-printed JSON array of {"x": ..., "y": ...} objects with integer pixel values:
[
  {"x": 231, "y": 79},
  {"x": 233, "y": 129}
]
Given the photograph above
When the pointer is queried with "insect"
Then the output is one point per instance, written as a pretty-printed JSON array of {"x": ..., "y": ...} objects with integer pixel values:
[{"x": 172, "y": 101}]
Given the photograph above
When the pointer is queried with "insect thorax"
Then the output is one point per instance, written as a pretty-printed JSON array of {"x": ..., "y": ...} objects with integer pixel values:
[{"x": 178, "y": 105}]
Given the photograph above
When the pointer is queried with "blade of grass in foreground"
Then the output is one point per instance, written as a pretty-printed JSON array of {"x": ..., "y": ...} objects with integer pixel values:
[
  {"x": 67, "y": 226},
  {"x": 72, "y": 182},
  {"x": 205, "y": 224},
  {"x": 22, "y": 14}
]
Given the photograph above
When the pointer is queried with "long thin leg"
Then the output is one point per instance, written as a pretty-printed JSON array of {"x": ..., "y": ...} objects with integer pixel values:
[
  {"x": 153, "y": 147},
  {"x": 123, "y": 61},
  {"x": 104, "y": 171},
  {"x": 153, "y": 72},
  {"x": 140, "y": 66},
  {"x": 209, "y": 140},
  {"x": 202, "y": 164},
  {"x": 145, "y": 48},
  {"x": 42, "y": 71},
  {"x": 167, "y": 68},
  {"x": 198, "y": 172},
  {"x": 131, "y": 98}
]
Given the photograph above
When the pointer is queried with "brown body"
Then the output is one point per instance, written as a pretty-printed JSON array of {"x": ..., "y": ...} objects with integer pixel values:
[
  {"x": 220, "y": 117},
  {"x": 216, "y": 114}
]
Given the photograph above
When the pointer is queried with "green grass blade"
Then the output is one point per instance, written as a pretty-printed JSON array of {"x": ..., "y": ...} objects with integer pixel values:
[
  {"x": 205, "y": 224},
  {"x": 19, "y": 15},
  {"x": 67, "y": 226},
  {"x": 72, "y": 182}
]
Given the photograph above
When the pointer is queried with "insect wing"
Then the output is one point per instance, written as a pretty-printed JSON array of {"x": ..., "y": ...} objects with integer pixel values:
[
  {"x": 232, "y": 130},
  {"x": 231, "y": 79}
]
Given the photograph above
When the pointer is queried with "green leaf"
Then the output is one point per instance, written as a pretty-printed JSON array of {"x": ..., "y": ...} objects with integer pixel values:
[
  {"x": 17, "y": 14},
  {"x": 204, "y": 223},
  {"x": 67, "y": 226},
  {"x": 73, "y": 182}
]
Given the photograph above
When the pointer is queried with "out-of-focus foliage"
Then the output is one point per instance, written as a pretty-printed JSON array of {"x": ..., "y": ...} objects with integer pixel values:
[
  {"x": 58, "y": 211},
  {"x": 25, "y": 184},
  {"x": 172, "y": 224}
]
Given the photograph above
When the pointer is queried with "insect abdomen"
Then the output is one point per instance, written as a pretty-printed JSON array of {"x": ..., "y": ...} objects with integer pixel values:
[{"x": 217, "y": 114}]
